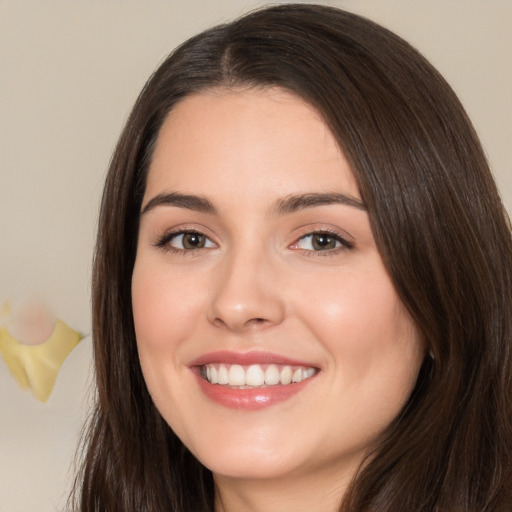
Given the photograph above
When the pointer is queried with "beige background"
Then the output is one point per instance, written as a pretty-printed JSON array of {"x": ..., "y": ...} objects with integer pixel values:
[{"x": 69, "y": 73}]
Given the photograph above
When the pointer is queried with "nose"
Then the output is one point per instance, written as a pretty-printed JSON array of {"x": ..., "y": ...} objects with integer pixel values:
[{"x": 246, "y": 294}]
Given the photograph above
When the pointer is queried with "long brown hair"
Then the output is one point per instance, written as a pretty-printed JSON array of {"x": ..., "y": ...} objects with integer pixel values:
[{"x": 439, "y": 225}]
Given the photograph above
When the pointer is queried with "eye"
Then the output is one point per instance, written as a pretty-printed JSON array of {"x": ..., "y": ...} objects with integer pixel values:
[
  {"x": 321, "y": 242},
  {"x": 185, "y": 241}
]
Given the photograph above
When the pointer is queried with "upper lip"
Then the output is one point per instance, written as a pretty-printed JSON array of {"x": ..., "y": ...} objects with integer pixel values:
[{"x": 247, "y": 358}]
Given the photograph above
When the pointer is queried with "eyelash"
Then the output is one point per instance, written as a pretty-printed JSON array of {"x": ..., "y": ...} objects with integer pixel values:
[{"x": 164, "y": 242}]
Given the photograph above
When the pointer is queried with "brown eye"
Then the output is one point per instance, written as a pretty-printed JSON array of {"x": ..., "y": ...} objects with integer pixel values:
[
  {"x": 323, "y": 242},
  {"x": 186, "y": 241},
  {"x": 193, "y": 241}
]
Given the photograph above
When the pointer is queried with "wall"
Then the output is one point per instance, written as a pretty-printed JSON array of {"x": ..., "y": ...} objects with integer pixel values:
[{"x": 69, "y": 73}]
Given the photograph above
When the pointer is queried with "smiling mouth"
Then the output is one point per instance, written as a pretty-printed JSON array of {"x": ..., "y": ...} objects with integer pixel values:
[{"x": 255, "y": 375}]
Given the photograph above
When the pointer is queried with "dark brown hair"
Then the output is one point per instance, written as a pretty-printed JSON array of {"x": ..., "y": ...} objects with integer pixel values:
[{"x": 441, "y": 231}]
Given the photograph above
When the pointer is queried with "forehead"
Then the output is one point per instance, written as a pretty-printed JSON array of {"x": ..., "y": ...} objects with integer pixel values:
[{"x": 247, "y": 141}]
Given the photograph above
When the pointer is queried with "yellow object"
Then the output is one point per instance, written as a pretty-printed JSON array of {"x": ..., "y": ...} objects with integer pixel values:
[{"x": 36, "y": 367}]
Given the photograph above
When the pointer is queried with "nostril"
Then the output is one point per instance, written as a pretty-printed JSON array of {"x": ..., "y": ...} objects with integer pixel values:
[{"x": 256, "y": 321}]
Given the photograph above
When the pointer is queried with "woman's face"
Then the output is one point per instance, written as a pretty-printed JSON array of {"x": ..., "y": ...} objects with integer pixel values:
[{"x": 270, "y": 335}]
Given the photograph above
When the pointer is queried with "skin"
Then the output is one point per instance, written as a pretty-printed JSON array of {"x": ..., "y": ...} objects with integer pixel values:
[{"x": 260, "y": 284}]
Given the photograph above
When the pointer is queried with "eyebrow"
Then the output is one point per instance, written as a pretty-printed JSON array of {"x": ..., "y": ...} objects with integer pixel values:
[
  {"x": 283, "y": 206},
  {"x": 294, "y": 203},
  {"x": 190, "y": 202}
]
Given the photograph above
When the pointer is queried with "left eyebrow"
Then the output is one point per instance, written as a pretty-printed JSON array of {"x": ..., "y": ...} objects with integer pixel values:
[{"x": 294, "y": 203}]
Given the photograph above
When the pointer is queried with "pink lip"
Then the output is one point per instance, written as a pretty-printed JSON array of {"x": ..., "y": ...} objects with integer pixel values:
[
  {"x": 247, "y": 399},
  {"x": 246, "y": 358}
]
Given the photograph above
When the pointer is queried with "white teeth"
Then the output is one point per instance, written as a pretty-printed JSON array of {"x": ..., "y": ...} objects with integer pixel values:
[
  {"x": 272, "y": 375},
  {"x": 286, "y": 375},
  {"x": 254, "y": 375},
  {"x": 223, "y": 376},
  {"x": 307, "y": 373},
  {"x": 236, "y": 375},
  {"x": 297, "y": 375}
]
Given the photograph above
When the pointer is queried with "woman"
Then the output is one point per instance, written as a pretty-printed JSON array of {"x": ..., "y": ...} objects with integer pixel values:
[{"x": 302, "y": 286}]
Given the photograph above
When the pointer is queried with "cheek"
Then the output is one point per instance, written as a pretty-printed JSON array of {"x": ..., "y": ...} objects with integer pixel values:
[
  {"x": 350, "y": 307},
  {"x": 373, "y": 348},
  {"x": 165, "y": 306},
  {"x": 367, "y": 332},
  {"x": 165, "y": 314}
]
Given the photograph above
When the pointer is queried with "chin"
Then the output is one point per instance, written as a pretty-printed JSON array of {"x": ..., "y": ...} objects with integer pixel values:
[
  {"x": 240, "y": 468},
  {"x": 248, "y": 459}
]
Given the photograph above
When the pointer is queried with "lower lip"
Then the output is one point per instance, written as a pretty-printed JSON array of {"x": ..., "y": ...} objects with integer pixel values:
[{"x": 250, "y": 399}]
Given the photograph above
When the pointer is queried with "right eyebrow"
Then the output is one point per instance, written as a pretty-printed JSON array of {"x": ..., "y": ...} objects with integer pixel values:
[{"x": 188, "y": 201}]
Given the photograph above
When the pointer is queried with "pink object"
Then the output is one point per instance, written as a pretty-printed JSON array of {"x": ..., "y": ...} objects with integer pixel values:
[
  {"x": 247, "y": 358},
  {"x": 31, "y": 322}
]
